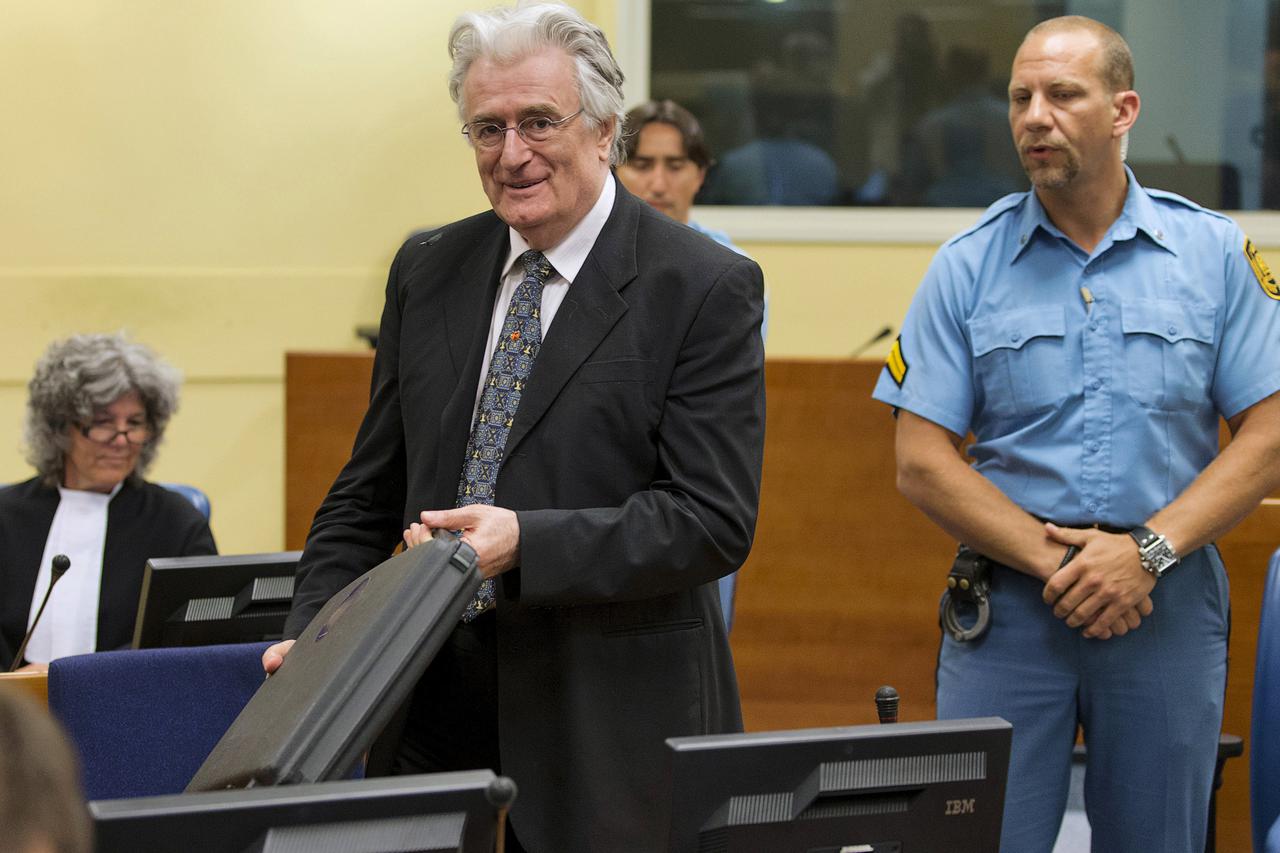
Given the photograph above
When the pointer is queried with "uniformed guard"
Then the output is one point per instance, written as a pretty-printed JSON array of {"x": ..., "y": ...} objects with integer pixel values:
[{"x": 1090, "y": 333}]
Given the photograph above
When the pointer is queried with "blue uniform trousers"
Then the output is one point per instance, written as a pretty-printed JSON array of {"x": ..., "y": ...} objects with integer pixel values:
[{"x": 1149, "y": 703}]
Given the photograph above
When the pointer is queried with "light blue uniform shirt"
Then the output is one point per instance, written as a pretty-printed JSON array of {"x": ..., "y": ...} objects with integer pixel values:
[{"x": 1099, "y": 413}]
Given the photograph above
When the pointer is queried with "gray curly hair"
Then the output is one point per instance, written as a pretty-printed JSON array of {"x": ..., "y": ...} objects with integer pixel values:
[
  {"x": 510, "y": 33},
  {"x": 83, "y": 374}
]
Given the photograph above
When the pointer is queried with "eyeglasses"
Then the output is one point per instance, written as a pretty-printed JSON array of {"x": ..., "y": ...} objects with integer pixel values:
[
  {"x": 534, "y": 129},
  {"x": 106, "y": 433}
]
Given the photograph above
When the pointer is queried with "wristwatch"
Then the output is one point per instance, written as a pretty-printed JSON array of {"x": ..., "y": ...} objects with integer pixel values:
[{"x": 1155, "y": 552}]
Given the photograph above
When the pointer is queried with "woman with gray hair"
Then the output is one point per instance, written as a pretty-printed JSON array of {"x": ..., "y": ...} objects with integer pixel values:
[{"x": 97, "y": 410}]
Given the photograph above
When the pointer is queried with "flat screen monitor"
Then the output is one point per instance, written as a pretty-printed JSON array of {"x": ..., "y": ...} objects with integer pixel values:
[
  {"x": 433, "y": 813},
  {"x": 204, "y": 601},
  {"x": 900, "y": 788}
]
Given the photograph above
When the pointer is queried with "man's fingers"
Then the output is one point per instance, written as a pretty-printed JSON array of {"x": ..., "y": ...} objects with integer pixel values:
[
  {"x": 1058, "y": 585},
  {"x": 1066, "y": 535},
  {"x": 416, "y": 534},
  {"x": 1115, "y": 620},
  {"x": 1145, "y": 607},
  {"x": 449, "y": 519},
  {"x": 274, "y": 655},
  {"x": 1087, "y": 611}
]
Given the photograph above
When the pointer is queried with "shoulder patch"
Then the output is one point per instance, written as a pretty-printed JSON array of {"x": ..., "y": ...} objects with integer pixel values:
[
  {"x": 1261, "y": 271},
  {"x": 895, "y": 363}
]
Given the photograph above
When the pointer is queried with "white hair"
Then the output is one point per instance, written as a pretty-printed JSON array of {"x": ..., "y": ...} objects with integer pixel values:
[{"x": 510, "y": 33}]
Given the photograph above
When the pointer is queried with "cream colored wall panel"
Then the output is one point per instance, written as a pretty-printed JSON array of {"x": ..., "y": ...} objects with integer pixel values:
[
  {"x": 226, "y": 438},
  {"x": 229, "y": 441},
  {"x": 228, "y": 324},
  {"x": 826, "y": 300}
]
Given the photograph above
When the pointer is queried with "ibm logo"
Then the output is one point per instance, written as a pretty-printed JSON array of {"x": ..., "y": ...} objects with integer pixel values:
[{"x": 959, "y": 807}]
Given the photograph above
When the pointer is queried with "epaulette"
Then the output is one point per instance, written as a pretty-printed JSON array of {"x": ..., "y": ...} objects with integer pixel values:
[
  {"x": 1182, "y": 201},
  {"x": 1001, "y": 207}
]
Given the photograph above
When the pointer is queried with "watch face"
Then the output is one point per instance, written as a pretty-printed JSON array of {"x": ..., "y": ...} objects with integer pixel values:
[{"x": 1158, "y": 557}]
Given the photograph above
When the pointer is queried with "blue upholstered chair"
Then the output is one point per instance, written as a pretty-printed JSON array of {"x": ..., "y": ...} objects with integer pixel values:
[
  {"x": 197, "y": 497},
  {"x": 1264, "y": 755},
  {"x": 144, "y": 720}
]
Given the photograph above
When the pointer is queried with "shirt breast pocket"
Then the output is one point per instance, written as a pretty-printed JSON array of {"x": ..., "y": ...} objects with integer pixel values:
[
  {"x": 1020, "y": 360},
  {"x": 1169, "y": 352}
]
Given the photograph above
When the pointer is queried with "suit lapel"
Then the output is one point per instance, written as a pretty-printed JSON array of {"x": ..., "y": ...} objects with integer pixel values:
[
  {"x": 466, "y": 312},
  {"x": 590, "y": 309}
]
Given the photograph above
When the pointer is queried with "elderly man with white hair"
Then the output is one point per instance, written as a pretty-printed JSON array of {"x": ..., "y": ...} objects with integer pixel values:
[{"x": 573, "y": 381}]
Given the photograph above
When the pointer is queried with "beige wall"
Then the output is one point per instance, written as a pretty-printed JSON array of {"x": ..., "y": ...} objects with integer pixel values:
[{"x": 229, "y": 180}]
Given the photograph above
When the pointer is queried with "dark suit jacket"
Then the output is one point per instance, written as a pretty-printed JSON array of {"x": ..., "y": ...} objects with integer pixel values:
[
  {"x": 634, "y": 467},
  {"x": 143, "y": 521}
]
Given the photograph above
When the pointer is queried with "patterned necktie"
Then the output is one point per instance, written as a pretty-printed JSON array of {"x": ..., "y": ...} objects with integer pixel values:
[{"x": 517, "y": 347}]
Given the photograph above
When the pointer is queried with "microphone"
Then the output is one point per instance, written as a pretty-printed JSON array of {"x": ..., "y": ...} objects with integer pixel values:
[
  {"x": 501, "y": 793},
  {"x": 57, "y": 568},
  {"x": 876, "y": 338},
  {"x": 887, "y": 704}
]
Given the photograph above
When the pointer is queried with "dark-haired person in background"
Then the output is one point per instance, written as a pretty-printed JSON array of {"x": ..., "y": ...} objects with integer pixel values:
[
  {"x": 97, "y": 410},
  {"x": 667, "y": 161},
  {"x": 1091, "y": 333}
]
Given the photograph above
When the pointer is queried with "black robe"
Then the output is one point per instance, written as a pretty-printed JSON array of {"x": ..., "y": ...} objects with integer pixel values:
[{"x": 143, "y": 521}]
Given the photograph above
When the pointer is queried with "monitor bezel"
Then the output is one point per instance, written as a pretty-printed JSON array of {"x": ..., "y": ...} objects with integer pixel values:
[
  {"x": 704, "y": 772},
  {"x": 214, "y": 574},
  {"x": 237, "y": 820}
]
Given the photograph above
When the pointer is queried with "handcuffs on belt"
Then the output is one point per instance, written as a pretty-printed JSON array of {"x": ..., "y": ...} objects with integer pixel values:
[{"x": 969, "y": 582}]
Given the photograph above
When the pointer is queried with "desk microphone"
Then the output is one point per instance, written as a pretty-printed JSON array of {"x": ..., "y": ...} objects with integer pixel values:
[
  {"x": 876, "y": 338},
  {"x": 887, "y": 704},
  {"x": 58, "y": 568}
]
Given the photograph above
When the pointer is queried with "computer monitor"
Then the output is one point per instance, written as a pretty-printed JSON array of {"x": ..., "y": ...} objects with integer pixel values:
[
  {"x": 452, "y": 812},
  {"x": 203, "y": 601},
  {"x": 900, "y": 788}
]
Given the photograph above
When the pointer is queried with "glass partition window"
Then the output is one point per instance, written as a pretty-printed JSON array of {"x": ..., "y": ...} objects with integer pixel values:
[{"x": 903, "y": 102}]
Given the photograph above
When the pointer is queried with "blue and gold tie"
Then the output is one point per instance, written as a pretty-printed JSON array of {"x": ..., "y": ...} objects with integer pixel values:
[{"x": 509, "y": 369}]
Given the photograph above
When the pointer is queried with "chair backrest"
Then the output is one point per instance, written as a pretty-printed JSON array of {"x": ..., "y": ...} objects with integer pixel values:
[
  {"x": 197, "y": 497},
  {"x": 1264, "y": 753},
  {"x": 144, "y": 720}
]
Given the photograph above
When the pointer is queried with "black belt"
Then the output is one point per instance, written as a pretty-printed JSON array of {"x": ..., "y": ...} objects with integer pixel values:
[{"x": 1105, "y": 528}]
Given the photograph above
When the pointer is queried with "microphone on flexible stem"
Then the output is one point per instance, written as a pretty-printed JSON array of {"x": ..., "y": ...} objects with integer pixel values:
[
  {"x": 876, "y": 338},
  {"x": 501, "y": 793},
  {"x": 57, "y": 568},
  {"x": 887, "y": 704}
]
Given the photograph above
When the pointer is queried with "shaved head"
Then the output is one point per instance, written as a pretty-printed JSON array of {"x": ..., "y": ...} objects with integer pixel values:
[{"x": 1116, "y": 63}]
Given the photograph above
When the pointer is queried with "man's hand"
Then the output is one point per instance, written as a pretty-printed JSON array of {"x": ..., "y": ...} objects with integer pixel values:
[
  {"x": 492, "y": 531},
  {"x": 274, "y": 655},
  {"x": 1104, "y": 589},
  {"x": 416, "y": 534}
]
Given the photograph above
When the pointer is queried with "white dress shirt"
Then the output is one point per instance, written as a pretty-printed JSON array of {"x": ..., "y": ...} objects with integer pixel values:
[{"x": 567, "y": 257}]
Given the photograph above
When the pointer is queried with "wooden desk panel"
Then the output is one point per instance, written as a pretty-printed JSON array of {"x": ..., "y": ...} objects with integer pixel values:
[
  {"x": 326, "y": 395},
  {"x": 34, "y": 684},
  {"x": 840, "y": 593}
]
